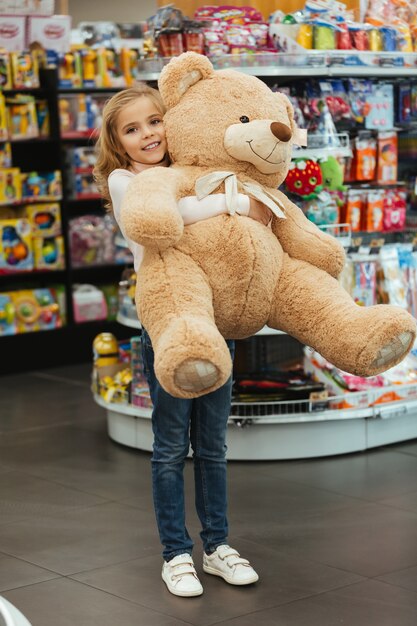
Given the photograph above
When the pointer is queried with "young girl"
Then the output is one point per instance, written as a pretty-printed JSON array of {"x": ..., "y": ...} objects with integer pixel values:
[{"x": 131, "y": 140}]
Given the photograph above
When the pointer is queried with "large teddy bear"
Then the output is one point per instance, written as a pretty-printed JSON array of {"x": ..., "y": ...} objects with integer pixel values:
[{"x": 228, "y": 276}]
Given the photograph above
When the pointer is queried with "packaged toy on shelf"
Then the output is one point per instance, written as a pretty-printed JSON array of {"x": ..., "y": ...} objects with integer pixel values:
[
  {"x": 5, "y": 70},
  {"x": 25, "y": 70},
  {"x": 7, "y": 315},
  {"x": 10, "y": 185},
  {"x": 49, "y": 252},
  {"x": 4, "y": 131},
  {"x": 5, "y": 154},
  {"x": 387, "y": 169},
  {"x": 22, "y": 120},
  {"x": 45, "y": 219},
  {"x": 69, "y": 69},
  {"x": 85, "y": 187},
  {"x": 127, "y": 288},
  {"x": 41, "y": 185},
  {"x": 36, "y": 309},
  {"x": 80, "y": 114},
  {"x": 89, "y": 303},
  {"x": 15, "y": 245},
  {"x": 91, "y": 239}
]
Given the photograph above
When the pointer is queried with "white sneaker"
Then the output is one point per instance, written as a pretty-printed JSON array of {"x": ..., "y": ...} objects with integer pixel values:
[
  {"x": 228, "y": 564},
  {"x": 180, "y": 576}
]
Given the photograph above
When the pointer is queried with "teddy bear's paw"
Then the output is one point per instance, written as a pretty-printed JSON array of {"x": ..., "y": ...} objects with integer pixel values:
[
  {"x": 393, "y": 352},
  {"x": 195, "y": 375}
]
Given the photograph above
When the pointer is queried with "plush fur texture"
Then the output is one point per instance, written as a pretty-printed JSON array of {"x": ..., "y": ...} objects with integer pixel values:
[{"x": 228, "y": 276}]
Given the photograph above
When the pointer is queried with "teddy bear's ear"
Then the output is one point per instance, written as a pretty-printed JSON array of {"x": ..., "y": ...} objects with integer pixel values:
[{"x": 180, "y": 74}]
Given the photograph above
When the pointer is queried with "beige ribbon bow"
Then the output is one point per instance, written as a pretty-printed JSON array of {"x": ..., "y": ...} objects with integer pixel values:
[{"x": 205, "y": 185}]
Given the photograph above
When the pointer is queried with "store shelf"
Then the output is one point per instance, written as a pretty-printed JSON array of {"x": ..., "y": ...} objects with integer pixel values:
[
  {"x": 312, "y": 63},
  {"x": 284, "y": 435}
]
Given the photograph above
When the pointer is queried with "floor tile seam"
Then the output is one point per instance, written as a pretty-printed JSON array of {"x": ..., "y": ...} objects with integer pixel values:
[
  {"x": 133, "y": 602},
  {"x": 396, "y": 571},
  {"x": 66, "y": 486},
  {"x": 109, "y": 565},
  {"x": 34, "y": 429},
  {"x": 262, "y": 610},
  {"x": 398, "y": 508},
  {"x": 308, "y": 560},
  {"x": 28, "y": 562},
  {"x": 325, "y": 490},
  {"x": 62, "y": 379},
  {"x": 38, "y": 582},
  {"x": 58, "y": 516}
]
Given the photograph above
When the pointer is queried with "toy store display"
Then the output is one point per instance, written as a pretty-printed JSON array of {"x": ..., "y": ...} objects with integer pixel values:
[
  {"x": 359, "y": 186},
  {"x": 94, "y": 302},
  {"x": 126, "y": 295},
  {"x": 80, "y": 115},
  {"x": 79, "y": 163},
  {"x": 355, "y": 392},
  {"x": 118, "y": 375},
  {"x": 31, "y": 238},
  {"x": 23, "y": 117},
  {"x": 17, "y": 187},
  {"x": 32, "y": 310},
  {"x": 92, "y": 241},
  {"x": 389, "y": 27}
]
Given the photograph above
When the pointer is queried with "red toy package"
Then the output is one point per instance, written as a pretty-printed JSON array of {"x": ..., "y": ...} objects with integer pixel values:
[{"x": 395, "y": 206}]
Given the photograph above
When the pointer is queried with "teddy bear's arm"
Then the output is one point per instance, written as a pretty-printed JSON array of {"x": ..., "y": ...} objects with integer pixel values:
[
  {"x": 301, "y": 239},
  {"x": 149, "y": 210}
]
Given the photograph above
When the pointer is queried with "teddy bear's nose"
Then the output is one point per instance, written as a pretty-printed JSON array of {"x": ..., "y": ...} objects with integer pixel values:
[{"x": 281, "y": 131}]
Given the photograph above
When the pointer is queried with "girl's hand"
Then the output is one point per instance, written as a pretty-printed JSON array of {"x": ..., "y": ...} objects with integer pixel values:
[{"x": 259, "y": 212}]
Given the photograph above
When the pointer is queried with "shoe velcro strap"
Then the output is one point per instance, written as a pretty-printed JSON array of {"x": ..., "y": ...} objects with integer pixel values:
[
  {"x": 228, "y": 553},
  {"x": 239, "y": 562},
  {"x": 182, "y": 569}
]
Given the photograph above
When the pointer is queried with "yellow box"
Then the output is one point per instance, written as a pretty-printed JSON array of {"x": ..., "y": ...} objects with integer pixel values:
[{"x": 10, "y": 185}]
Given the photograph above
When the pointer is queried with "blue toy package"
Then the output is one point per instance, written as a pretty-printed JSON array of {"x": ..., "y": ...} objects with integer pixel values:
[{"x": 15, "y": 245}]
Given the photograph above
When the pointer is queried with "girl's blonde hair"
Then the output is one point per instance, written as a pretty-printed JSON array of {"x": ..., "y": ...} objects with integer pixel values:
[{"x": 110, "y": 154}]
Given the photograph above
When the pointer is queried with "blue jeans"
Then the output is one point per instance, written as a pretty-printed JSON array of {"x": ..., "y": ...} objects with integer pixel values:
[{"x": 176, "y": 423}]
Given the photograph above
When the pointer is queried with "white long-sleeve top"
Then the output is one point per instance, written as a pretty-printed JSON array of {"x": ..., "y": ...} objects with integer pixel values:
[{"x": 191, "y": 209}]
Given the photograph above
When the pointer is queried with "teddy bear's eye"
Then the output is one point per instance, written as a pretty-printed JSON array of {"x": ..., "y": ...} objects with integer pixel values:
[
  {"x": 313, "y": 180},
  {"x": 298, "y": 184},
  {"x": 244, "y": 119}
]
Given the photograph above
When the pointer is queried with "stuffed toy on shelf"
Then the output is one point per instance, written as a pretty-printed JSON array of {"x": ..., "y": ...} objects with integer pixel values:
[{"x": 230, "y": 275}]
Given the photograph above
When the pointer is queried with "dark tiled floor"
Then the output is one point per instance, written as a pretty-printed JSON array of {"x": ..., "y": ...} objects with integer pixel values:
[{"x": 334, "y": 540}]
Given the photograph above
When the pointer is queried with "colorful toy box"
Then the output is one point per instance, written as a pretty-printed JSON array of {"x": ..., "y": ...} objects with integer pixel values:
[
  {"x": 49, "y": 253},
  {"x": 45, "y": 219},
  {"x": 25, "y": 70},
  {"x": 10, "y": 185},
  {"x": 16, "y": 245},
  {"x": 22, "y": 121},
  {"x": 7, "y": 317},
  {"x": 41, "y": 186},
  {"x": 36, "y": 309},
  {"x": 5, "y": 154}
]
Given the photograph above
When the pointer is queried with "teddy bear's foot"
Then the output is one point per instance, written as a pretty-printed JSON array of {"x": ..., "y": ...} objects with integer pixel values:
[
  {"x": 191, "y": 357},
  {"x": 393, "y": 352},
  {"x": 196, "y": 375}
]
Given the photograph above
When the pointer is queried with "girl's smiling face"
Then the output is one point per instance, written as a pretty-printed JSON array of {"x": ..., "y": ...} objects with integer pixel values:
[{"x": 141, "y": 132}]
